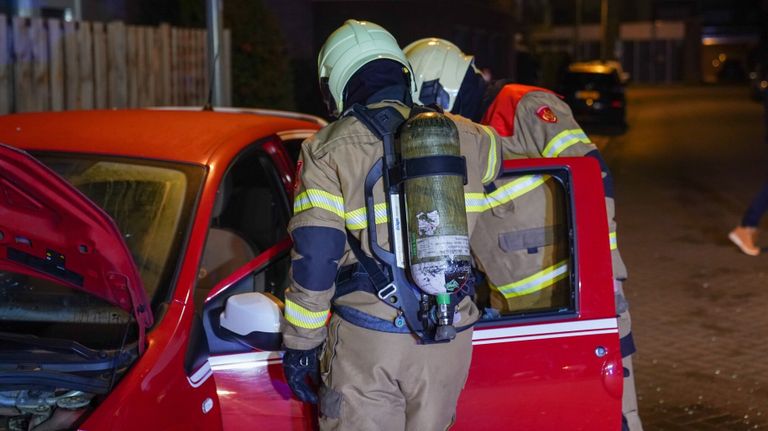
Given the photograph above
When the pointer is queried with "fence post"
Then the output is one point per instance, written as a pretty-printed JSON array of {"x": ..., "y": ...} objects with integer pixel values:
[
  {"x": 86, "y": 65},
  {"x": 71, "y": 67},
  {"x": 56, "y": 46},
  {"x": 23, "y": 68},
  {"x": 5, "y": 72},
  {"x": 202, "y": 40},
  {"x": 100, "y": 66},
  {"x": 142, "y": 73},
  {"x": 164, "y": 44},
  {"x": 40, "y": 59},
  {"x": 132, "y": 76},
  {"x": 151, "y": 70},
  {"x": 117, "y": 65},
  {"x": 175, "y": 54}
]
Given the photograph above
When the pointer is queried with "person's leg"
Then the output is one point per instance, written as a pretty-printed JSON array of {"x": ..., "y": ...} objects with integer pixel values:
[
  {"x": 757, "y": 209},
  {"x": 432, "y": 379},
  {"x": 630, "y": 416},
  {"x": 359, "y": 369},
  {"x": 745, "y": 235}
]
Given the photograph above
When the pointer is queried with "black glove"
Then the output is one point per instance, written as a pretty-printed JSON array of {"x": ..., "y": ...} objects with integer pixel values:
[{"x": 297, "y": 366}]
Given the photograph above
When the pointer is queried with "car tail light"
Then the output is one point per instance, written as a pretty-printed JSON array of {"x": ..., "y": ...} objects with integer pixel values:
[{"x": 616, "y": 104}]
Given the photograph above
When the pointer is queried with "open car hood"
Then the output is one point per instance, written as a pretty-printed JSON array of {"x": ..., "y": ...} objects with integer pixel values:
[{"x": 49, "y": 229}]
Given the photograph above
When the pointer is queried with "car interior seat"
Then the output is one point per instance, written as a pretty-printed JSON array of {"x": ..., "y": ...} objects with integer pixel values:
[{"x": 225, "y": 249}]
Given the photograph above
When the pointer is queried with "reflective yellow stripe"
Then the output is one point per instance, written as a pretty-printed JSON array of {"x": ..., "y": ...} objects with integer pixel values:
[
  {"x": 563, "y": 140},
  {"x": 535, "y": 282},
  {"x": 315, "y": 198},
  {"x": 357, "y": 219},
  {"x": 475, "y": 202},
  {"x": 299, "y": 316},
  {"x": 493, "y": 160},
  {"x": 479, "y": 202},
  {"x": 614, "y": 242}
]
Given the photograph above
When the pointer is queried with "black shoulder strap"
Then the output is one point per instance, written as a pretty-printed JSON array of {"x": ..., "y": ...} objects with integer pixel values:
[{"x": 380, "y": 121}]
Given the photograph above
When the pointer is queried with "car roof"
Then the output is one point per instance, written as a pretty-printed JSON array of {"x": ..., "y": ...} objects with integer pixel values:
[{"x": 176, "y": 135}]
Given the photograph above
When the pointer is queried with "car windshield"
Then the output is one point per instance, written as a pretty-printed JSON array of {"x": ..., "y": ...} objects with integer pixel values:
[
  {"x": 151, "y": 203},
  {"x": 591, "y": 81}
]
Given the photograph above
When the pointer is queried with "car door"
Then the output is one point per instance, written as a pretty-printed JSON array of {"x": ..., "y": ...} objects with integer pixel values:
[
  {"x": 556, "y": 364},
  {"x": 248, "y": 250},
  {"x": 544, "y": 369}
]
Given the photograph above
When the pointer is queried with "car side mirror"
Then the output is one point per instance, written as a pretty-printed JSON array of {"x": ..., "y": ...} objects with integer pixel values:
[{"x": 253, "y": 319}]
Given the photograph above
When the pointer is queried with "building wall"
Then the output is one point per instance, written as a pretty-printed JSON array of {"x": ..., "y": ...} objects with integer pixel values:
[{"x": 651, "y": 52}]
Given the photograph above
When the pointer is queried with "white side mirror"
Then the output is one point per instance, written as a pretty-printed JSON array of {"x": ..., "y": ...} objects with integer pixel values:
[{"x": 255, "y": 318}]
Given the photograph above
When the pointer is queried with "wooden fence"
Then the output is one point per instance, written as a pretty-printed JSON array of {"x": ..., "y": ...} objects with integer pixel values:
[{"x": 51, "y": 65}]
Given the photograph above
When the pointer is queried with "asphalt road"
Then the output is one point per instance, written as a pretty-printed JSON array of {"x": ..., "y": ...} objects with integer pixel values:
[{"x": 685, "y": 171}]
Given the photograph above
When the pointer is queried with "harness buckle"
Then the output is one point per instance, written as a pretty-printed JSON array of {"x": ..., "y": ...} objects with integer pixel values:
[{"x": 387, "y": 291}]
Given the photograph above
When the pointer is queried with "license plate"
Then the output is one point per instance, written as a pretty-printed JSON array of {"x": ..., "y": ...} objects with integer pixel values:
[{"x": 587, "y": 95}]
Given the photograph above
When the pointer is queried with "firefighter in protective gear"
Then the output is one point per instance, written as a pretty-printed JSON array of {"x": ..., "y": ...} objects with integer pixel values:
[
  {"x": 375, "y": 374},
  {"x": 516, "y": 214}
]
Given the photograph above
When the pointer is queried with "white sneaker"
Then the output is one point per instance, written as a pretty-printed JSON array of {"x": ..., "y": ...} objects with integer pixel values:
[{"x": 744, "y": 237}]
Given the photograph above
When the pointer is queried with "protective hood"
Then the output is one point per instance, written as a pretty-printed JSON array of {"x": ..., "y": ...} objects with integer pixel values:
[{"x": 50, "y": 230}]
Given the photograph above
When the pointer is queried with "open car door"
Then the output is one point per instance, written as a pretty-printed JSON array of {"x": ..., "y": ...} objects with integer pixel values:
[
  {"x": 553, "y": 365},
  {"x": 246, "y": 361}
]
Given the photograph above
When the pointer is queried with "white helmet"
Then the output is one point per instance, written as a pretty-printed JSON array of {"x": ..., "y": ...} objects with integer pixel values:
[
  {"x": 439, "y": 67},
  {"x": 349, "y": 48}
]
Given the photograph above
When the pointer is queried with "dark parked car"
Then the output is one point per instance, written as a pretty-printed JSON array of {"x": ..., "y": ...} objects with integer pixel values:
[{"x": 595, "y": 93}]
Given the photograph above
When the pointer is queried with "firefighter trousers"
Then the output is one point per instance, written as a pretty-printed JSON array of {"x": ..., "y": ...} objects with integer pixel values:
[
  {"x": 381, "y": 381},
  {"x": 630, "y": 416}
]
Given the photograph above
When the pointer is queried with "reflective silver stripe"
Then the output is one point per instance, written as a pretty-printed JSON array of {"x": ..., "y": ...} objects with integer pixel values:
[
  {"x": 304, "y": 318},
  {"x": 479, "y": 202},
  {"x": 493, "y": 160},
  {"x": 563, "y": 140},
  {"x": 357, "y": 219},
  {"x": 315, "y": 198}
]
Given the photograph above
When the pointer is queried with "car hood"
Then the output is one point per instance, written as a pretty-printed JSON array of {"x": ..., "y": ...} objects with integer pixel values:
[{"x": 49, "y": 229}]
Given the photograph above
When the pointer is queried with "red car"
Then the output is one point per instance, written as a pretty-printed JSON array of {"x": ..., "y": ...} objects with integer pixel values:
[{"x": 143, "y": 256}]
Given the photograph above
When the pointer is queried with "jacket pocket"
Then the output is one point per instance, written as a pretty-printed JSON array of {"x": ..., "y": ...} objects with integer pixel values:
[{"x": 529, "y": 239}]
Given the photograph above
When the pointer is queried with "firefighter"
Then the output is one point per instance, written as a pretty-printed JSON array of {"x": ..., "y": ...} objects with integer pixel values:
[
  {"x": 379, "y": 369},
  {"x": 537, "y": 124}
]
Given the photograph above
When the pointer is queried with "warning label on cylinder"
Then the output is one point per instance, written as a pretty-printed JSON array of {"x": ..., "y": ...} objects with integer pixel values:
[{"x": 442, "y": 246}]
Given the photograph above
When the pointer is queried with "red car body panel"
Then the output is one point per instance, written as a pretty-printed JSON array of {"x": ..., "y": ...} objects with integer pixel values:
[{"x": 550, "y": 373}]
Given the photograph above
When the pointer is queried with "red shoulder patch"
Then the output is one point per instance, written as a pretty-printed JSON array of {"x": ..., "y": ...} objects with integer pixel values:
[
  {"x": 546, "y": 114},
  {"x": 297, "y": 178}
]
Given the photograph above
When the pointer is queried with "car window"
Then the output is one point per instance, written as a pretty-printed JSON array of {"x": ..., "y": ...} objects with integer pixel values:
[
  {"x": 150, "y": 202},
  {"x": 524, "y": 250},
  {"x": 250, "y": 215},
  {"x": 293, "y": 147},
  {"x": 591, "y": 81}
]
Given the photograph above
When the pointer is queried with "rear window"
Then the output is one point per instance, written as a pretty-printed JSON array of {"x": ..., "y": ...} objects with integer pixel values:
[{"x": 591, "y": 81}]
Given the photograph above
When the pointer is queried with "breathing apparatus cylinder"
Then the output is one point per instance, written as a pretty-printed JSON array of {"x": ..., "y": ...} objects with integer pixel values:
[{"x": 436, "y": 217}]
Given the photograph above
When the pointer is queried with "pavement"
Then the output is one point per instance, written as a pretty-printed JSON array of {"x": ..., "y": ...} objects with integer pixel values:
[{"x": 686, "y": 169}]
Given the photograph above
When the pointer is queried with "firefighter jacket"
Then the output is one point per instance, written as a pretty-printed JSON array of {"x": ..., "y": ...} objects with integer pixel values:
[
  {"x": 329, "y": 200},
  {"x": 527, "y": 227}
]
